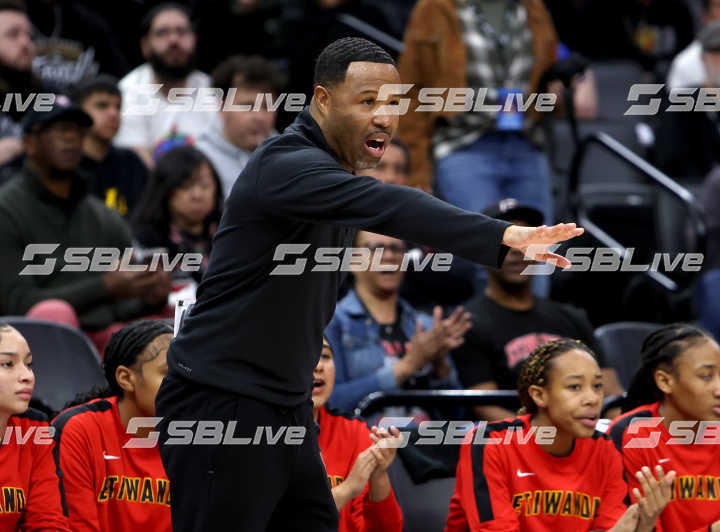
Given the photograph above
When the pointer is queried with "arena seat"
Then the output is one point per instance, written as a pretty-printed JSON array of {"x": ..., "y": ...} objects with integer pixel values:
[
  {"x": 621, "y": 343},
  {"x": 65, "y": 362},
  {"x": 424, "y": 505}
]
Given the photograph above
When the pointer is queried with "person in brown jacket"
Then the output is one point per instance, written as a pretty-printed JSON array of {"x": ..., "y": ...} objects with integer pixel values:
[{"x": 497, "y": 48}]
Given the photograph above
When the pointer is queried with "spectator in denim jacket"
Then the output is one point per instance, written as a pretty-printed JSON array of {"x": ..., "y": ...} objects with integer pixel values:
[{"x": 380, "y": 342}]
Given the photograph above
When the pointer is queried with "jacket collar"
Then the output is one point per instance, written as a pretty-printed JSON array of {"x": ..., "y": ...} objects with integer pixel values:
[
  {"x": 306, "y": 126},
  {"x": 354, "y": 307}
]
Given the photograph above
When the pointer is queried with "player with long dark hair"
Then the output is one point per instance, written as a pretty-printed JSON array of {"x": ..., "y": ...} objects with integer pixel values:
[
  {"x": 108, "y": 484},
  {"x": 571, "y": 481},
  {"x": 675, "y": 390},
  {"x": 29, "y": 494}
]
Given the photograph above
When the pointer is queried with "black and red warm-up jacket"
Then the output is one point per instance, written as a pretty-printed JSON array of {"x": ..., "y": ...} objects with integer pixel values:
[
  {"x": 29, "y": 483},
  {"x": 644, "y": 440},
  {"x": 511, "y": 484}
]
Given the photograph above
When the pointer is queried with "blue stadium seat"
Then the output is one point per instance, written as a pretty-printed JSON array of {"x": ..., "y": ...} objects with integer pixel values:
[
  {"x": 622, "y": 343},
  {"x": 65, "y": 362}
]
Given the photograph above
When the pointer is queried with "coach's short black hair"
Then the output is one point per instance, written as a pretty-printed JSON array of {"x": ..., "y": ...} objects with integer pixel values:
[
  {"x": 104, "y": 83},
  {"x": 147, "y": 20},
  {"x": 13, "y": 5},
  {"x": 332, "y": 63},
  {"x": 247, "y": 71}
]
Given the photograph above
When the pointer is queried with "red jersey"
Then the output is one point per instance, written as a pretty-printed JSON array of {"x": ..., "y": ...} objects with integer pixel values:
[
  {"x": 341, "y": 441},
  {"x": 29, "y": 485},
  {"x": 106, "y": 486},
  {"x": 695, "y": 503},
  {"x": 513, "y": 484}
]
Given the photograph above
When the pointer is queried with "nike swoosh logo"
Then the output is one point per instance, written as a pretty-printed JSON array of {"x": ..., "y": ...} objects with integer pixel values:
[
  {"x": 110, "y": 457},
  {"x": 523, "y": 474},
  {"x": 663, "y": 460}
]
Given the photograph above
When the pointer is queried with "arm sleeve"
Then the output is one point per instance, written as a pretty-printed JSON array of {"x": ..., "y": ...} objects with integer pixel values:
[
  {"x": 308, "y": 185},
  {"x": 382, "y": 516},
  {"x": 78, "y": 482},
  {"x": 482, "y": 500},
  {"x": 612, "y": 506},
  {"x": 43, "y": 511},
  {"x": 348, "y": 392}
]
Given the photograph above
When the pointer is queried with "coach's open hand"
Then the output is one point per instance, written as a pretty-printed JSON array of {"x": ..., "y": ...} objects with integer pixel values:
[{"x": 534, "y": 241}]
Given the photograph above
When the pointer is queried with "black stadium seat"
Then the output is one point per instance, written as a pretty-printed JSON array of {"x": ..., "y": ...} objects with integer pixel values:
[
  {"x": 64, "y": 361},
  {"x": 621, "y": 343}
]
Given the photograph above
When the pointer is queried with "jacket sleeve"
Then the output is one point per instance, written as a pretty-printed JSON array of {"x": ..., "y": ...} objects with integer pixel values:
[
  {"x": 79, "y": 484},
  {"x": 43, "y": 510},
  {"x": 433, "y": 56},
  {"x": 482, "y": 499},
  {"x": 348, "y": 391},
  {"x": 308, "y": 185},
  {"x": 612, "y": 505}
]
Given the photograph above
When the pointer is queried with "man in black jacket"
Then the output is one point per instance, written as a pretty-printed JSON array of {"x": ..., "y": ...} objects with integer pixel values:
[{"x": 247, "y": 349}]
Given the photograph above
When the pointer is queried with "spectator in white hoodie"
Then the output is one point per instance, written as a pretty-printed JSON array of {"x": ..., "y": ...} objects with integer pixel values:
[{"x": 228, "y": 142}]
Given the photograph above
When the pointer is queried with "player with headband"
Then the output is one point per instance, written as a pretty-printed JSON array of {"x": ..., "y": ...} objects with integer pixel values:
[{"x": 570, "y": 481}]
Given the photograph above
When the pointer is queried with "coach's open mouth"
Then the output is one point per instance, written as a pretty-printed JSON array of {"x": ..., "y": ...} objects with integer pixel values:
[{"x": 376, "y": 145}]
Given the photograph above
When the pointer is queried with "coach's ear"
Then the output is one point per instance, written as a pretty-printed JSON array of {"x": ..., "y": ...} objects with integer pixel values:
[
  {"x": 321, "y": 96},
  {"x": 124, "y": 378},
  {"x": 538, "y": 394}
]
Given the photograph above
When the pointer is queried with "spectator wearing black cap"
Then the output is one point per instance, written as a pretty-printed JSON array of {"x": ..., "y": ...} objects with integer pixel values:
[
  {"x": 47, "y": 205},
  {"x": 115, "y": 175},
  {"x": 509, "y": 322}
]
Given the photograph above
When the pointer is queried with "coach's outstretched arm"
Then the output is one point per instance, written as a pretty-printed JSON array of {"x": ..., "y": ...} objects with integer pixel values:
[{"x": 310, "y": 185}]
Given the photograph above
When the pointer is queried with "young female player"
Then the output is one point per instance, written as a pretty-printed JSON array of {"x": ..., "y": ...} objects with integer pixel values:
[
  {"x": 108, "y": 486},
  {"x": 572, "y": 481},
  {"x": 29, "y": 494},
  {"x": 676, "y": 388},
  {"x": 356, "y": 468}
]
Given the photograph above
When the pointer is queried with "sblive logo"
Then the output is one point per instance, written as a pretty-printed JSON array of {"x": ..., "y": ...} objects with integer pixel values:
[
  {"x": 681, "y": 99},
  {"x": 102, "y": 259},
  {"x": 612, "y": 260},
  {"x": 333, "y": 259}
]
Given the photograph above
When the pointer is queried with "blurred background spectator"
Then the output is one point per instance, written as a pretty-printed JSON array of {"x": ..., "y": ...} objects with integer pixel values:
[
  {"x": 115, "y": 175},
  {"x": 181, "y": 208},
  {"x": 48, "y": 203},
  {"x": 17, "y": 51},
  {"x": 230, "y": 141},
  {"x": 509, "y": 322},
  {"x": 380, "y": 342},
  {"x": 168, "y": 45}
]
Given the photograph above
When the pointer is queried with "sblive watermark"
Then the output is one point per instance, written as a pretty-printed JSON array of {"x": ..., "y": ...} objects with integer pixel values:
[
  {"x": 148, "y": 99},
  {"x": 333, "y": 259},
  {"x": 106, "y": 259},
  {"x": 588, "y": 259},
  {"x": 437, "y": 432},
  {"x": 680, "y": 99}
]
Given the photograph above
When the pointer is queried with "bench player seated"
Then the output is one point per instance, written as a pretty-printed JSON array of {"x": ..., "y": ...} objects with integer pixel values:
[
  {"x": 678, "y": 381},
  {"x": 573, "y": 481},
  {"x": 108, "y": 486},
  {"x": 29, "y": 494},
  {"x": 356, "y": 467}
]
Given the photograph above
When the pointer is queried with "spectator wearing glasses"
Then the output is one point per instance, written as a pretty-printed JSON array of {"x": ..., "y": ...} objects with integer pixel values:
[{"x": 380, "y": 342}]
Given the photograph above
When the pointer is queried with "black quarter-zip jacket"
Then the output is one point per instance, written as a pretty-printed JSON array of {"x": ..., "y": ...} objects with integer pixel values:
[{"x": 260, "y": 335}]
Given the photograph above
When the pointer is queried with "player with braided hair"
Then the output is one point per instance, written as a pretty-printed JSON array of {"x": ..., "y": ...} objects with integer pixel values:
[
  {"x": 675, "y": 390},
  {"x": 510, "y": 478},
  {"x": 107, "y": 486}
]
